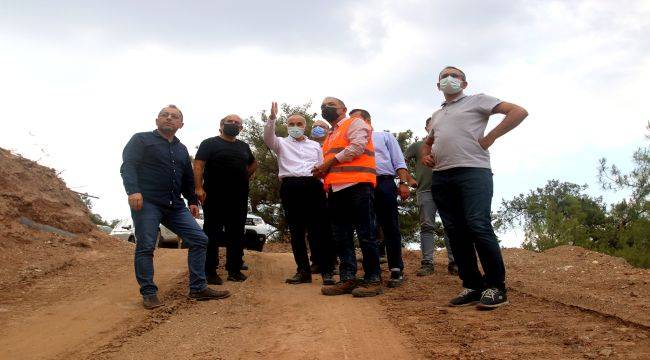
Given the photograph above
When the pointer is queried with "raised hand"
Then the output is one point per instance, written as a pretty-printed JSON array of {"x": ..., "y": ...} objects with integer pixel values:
[{"x": 274, "y": 111}]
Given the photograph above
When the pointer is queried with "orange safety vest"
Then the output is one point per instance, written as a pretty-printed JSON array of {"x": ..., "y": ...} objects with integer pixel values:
[{"x": 361, "y": 169}]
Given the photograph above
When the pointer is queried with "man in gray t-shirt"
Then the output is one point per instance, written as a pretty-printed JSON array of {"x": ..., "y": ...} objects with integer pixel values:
[{"x": 461, "y": 184}]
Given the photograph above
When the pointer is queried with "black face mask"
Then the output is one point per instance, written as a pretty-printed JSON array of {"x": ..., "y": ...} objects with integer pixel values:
[
  {"x": 231, "y": 129},
  {"x": 329, "y": 113}
]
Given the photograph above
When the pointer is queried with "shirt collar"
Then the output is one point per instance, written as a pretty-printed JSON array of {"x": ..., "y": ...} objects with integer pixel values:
[
  {"x": 444, "y": 103},
  {"x": 156, "y": 133}
]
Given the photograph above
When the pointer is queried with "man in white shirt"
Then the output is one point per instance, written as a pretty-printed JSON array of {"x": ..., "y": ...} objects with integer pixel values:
[{"x": 302, "y": 195}]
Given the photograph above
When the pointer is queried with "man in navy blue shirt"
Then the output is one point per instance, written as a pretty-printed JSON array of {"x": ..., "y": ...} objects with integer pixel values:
[{"x": 156, "y": 170}]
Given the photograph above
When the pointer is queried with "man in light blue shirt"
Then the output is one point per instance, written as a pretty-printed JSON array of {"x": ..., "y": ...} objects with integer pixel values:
[{"x": 390, "y": 163}]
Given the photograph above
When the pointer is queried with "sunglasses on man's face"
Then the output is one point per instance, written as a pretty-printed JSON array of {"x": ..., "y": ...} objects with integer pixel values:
[{"x": 166, "y": 114}]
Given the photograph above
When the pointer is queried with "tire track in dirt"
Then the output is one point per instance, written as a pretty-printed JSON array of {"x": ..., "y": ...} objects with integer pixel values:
[
  {"x": 530, "y": 327},
  {"x": 86, "y": 316},
  {"x": 266, "y": 318}
]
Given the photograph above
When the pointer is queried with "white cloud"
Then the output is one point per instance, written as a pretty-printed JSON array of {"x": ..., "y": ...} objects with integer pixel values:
[{"x": 580, "y": 68}]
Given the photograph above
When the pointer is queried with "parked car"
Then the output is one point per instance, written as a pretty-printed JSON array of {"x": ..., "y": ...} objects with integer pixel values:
[
  {"x": 254, "y": 238},
  {"x": 124, "y": 230}
]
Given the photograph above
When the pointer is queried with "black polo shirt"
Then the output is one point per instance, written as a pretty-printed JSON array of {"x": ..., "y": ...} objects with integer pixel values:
[{"x": 226, "y": 166}]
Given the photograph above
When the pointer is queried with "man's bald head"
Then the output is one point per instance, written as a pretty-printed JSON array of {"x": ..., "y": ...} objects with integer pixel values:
[
  {"x": 297, "y": 120},
  {"x": 232, "y": 118},
  {"x": 322, "y": 123},
  {"x": 337, "y": 101}
]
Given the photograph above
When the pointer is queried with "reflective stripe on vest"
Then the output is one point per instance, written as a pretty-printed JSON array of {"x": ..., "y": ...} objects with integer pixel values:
[
  {"x": 337, "y": 150},
  {"x": 361, "y": 169}
]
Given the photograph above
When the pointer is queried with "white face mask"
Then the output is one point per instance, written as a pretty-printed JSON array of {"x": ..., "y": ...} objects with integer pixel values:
[
  {"x": 295, "y": 132},
  {"x": 450, "y": 85}
]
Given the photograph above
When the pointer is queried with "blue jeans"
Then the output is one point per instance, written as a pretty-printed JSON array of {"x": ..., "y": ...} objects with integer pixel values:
[
  {"x": 353, "y": 209},
  {"x": 179, "y": 220},
  {"x": 464, "y": 199},
  {"x": 387, "y": 219}
]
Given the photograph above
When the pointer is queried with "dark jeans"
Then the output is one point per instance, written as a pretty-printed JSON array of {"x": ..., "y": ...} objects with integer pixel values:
[
  {"x": 304, "y": 204},
  {"x": 224, "y": 223},
  {"x": 179, "y": 220},
  {"x": 464, "y": 198},
  {"x": 353, "y": 209},
  {"x": 387, "y": 219}
]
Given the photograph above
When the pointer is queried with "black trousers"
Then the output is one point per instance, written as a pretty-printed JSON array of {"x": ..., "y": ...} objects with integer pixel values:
[
  {"x": 304, "y": 204},
  {"x": 387, "y": 219},
  {"x": 464, "y": 199},
  {"x": 224, "y": 223}
]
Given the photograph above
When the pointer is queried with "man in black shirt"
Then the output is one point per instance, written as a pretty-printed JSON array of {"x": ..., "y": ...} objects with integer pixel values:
[
  {"x": 156, "y": 170},
  {"x": 222, "y": 167}
]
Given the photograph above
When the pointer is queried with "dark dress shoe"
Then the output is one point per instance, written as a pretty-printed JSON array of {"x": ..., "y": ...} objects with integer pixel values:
[
  {"x": 151, "y": 302},
  {"x": 213, "y": 279},
  {"x": 209, "y": 294},
  {"x": 299, "y": 278}
]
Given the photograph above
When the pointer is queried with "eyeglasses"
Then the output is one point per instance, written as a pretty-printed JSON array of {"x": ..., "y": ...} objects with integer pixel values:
[{"x": 165, "y": 114}]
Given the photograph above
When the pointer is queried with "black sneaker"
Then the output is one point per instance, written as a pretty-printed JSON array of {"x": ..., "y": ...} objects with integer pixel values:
[
  {"x": 492, "y": 298},
  {"x": 209, "y": 294},
  {"x": 238, "y": 277},
  {"x": 396, "y": 278},
  {"x": 213, "y": 279},
  {"x": 466, "y": 297},
  {"x": 151, "y": 302},
  {"x": 299, "y": 278},
  {"x": 452, "y": 269},
  {"x": 328, "y": 279},
  {"x": 426, "y": 269}
]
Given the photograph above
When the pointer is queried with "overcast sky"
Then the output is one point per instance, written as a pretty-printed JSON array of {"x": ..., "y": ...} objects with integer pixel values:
[{"x": 78, "y": 78}]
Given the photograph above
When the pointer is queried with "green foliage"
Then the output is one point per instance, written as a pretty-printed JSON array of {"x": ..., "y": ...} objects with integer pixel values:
[
  {"x": 94, "y": 218},
  {"x": 557, "y": 214},
  {"x": 561, "y": 213},
  {"x": 409, "y": 216}
]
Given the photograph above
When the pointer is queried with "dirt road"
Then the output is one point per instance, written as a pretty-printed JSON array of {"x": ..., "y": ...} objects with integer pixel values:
[
  {"x": 567, "y": 303},
  {"x": 264, "y": 318}
]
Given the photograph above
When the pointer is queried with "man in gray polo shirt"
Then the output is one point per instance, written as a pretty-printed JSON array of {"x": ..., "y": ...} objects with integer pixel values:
[{"x": 462, "y": 184}]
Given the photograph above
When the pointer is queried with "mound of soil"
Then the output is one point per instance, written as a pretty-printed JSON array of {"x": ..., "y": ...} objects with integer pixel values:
[
  {"x": 34, "y": 191},
  {"x": 29, "y": 190}
]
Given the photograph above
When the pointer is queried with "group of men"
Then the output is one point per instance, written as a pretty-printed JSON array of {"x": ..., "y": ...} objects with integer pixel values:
[{"x": 340, "y": 182}]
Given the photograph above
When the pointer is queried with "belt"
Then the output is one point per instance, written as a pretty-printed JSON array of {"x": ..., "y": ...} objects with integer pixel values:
[
  {"x": 385, "y": 177},
  {"x": 299, "y": 178}
]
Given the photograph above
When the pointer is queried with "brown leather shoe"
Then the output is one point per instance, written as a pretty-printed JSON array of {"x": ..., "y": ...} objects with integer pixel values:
[
  {"x": 342, "y": 287},
  {"x": 368, "y": 289},
  {"x": 151, "y": 302}
]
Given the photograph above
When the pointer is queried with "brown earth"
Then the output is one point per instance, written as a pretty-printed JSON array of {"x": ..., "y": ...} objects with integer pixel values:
[{"x": 76, "y": 298}]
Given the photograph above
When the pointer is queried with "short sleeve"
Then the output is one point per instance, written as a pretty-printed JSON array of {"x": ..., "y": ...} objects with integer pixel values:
[
  {"x": 485, "y": 103},
  {"x": 203, "y": 153}
]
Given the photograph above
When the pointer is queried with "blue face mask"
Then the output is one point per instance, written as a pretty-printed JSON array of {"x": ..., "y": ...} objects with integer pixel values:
[{"x": 318, "y": 132}]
